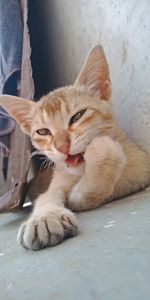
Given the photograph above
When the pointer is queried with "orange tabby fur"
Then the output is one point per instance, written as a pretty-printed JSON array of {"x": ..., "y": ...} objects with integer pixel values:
[{"x": 112, "y": 167}]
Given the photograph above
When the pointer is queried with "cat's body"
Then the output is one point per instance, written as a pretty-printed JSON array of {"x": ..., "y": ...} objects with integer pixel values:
[{"x": 94, "y": 160}]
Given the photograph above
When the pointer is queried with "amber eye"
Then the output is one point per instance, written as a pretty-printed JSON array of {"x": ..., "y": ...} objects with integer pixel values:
[
  {"x": 43, "y": 131},
  {"x": 77, "y": 116}
]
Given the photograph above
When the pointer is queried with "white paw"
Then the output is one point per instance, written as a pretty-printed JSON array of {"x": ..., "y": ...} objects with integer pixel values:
[{"x": 48, "y": 229}]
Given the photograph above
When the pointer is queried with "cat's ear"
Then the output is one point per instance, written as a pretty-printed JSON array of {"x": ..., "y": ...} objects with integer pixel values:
[
  {"x": 95, "y": 74},
  {"x": 20, "y": 109}
]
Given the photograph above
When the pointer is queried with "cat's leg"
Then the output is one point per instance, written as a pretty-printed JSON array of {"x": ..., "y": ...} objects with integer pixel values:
[
  {"x": 50, "y": 223},
  {"x": 105, "y": 161}
]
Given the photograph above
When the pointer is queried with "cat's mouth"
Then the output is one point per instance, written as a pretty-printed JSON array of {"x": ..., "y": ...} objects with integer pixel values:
[{"x": 74, "y": 160}]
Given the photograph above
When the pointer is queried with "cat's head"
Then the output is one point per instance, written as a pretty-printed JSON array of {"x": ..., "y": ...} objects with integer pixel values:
[{"x": 64, "y": 122}]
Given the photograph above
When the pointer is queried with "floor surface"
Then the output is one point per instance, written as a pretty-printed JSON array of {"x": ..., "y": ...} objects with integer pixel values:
[{"x": 108, "y": 260}]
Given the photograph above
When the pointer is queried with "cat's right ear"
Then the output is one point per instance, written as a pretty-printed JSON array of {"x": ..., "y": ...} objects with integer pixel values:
[
  {"x": 20, "y": 109},
  {"x": 95, "y": 74}
]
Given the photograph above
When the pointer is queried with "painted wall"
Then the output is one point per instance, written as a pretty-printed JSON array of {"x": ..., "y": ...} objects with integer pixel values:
[{"x": 67, "y": 29}]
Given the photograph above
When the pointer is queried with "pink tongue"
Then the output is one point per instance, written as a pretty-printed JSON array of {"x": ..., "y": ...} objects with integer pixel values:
[{"x": 73, "y": 160}]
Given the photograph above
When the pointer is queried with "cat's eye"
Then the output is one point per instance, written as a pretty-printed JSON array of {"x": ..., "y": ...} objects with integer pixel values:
[
  {"x": 43, "y": 131},
  {"x": 77, "y": 116}
]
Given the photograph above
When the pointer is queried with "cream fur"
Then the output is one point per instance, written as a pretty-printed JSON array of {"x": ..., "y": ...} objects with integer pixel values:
[{"x": 113, "y": 166}]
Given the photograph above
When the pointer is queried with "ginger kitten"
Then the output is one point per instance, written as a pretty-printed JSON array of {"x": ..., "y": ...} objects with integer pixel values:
[{"x": 94, "y": 161}]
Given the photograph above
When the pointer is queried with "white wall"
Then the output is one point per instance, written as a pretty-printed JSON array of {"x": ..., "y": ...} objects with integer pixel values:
[{"x": 123, "y": 28}]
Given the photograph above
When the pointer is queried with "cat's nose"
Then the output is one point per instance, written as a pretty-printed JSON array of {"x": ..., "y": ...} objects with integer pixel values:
[{"x": 64, "y": 149}]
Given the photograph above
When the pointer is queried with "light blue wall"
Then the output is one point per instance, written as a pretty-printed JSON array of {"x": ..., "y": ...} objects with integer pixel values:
[{"x": 72, "y": 27}]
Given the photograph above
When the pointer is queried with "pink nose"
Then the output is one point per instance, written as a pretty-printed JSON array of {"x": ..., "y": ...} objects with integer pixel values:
[{"x": 64, "y": 148}]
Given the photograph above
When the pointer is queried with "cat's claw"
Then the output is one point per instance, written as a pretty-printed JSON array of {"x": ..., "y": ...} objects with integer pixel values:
[{"x": 47, "y": 230}]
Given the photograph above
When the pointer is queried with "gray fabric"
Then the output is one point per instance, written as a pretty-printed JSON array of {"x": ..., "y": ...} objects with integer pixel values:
[
  {"x": 11, "y": 39},
  {"x": 17, "y": 57},
  {"x": 27, "y": 83}
]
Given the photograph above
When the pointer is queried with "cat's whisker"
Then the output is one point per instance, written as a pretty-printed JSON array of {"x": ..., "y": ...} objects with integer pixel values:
[
  {"x": 47, "y": 163},
  {"x": 35, "y": 153},
  {"x": 44, "y": 164},
  {"x": 50, "y": 164}
]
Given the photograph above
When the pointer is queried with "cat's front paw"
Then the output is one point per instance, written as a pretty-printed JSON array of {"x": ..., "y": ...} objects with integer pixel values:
[
  {"x": 104, "y": 149},
  {"x": 48, "y": 229}
]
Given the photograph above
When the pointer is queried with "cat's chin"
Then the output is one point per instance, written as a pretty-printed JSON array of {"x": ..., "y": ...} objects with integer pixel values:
[
  {"x": 76, "y": 171},
  {"x": 75, "y": 164},
  {"x": 74, "y": 161}
]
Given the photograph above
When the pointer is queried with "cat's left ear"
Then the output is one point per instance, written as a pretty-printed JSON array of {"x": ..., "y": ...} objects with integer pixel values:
[
  {"x": 20, "y": 109},
  {"x": 95, "y": 74}
]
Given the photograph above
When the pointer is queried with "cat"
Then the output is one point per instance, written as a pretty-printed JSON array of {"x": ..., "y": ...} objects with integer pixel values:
[{"x": 74, "y": 126}]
